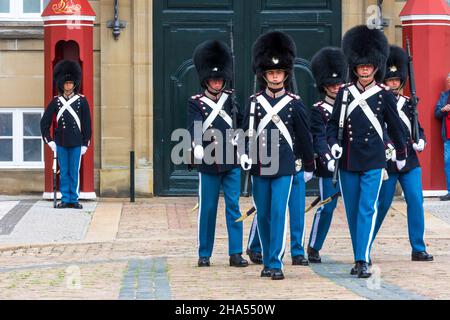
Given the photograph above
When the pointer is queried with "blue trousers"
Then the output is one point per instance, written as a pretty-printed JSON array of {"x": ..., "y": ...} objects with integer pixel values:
[
  {"x": 360, "y": 192},
  {"x": 322, "y": 218},
  {"x": 69, "y": 159},
  {"x": 209, "y": 190},
  {"x": 271, "y": 197},
  {"x": 411, "y": 183},
  {"x": 296, "y": 217},
  {"x": 447, "y": 162}
]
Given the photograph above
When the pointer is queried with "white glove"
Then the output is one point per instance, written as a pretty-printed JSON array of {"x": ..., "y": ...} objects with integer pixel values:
[
  {"x": 392, "y": 151},
  {"x": 400, "y": 164},
  {"x": 307, "y": 176},
  {"x": 83, "y": 150},
  {"x": 331, "y": 165},
  {"x": 52, "y": 145},
  {"x": 336, "y": 151},
  {"x": 246, "y": 162},
  {"x": 419, "y": 146},
  {"x": 198, "y": 152}
]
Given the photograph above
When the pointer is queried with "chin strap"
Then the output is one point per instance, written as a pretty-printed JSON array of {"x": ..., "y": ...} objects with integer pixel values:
[
  {"x": 214, "y": 91},
  {"x": 365, "y": 77},
  {"x": 275, "y": 83}
]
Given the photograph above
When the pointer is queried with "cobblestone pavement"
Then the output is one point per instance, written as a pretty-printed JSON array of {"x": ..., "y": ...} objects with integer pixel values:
[{"x": 154, "y": 256}]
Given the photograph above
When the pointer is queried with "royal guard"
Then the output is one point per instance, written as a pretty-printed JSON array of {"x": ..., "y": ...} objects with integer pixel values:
[
  {"x": 361, "y": 111},
  {"x": 410, "y": 177},
  {"x": 70, "y": 113},
  {"x": 210, "y": 115},
  {"x": 278, "y": 136},
  {"x": 330, "y": 69}
]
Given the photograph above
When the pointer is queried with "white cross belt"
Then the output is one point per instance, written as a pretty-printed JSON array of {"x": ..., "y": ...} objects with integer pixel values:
[
  {"x": 216, "y": 110},
  {"x": 360, "y": 100},
  {"x": 272, "y": 115},
  {"x": 67, "y": 106},
  {"x": 403, "y": 116}
]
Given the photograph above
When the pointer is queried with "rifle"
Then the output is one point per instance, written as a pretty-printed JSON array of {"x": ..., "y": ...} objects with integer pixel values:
[
  {"x": 234, "y": 109},
  {"x": 54, "y": 178},
  {"x": 414, "y": 99},
  {"x": 341, "y": 130},
  {"x": 251, "y": 133}
]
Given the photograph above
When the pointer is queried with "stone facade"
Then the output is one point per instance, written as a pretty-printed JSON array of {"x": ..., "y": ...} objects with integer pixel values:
[{"x": 123, "y": 95}]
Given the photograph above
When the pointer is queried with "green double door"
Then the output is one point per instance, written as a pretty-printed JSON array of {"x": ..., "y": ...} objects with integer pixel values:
[{"x": 180, "y": 25}]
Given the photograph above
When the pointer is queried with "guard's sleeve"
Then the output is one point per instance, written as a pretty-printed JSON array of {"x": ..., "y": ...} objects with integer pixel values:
[
  {"x": 303, "y": 136},
  {"x": 47, "y": 120},
  {"x": 319, "y": 134},
  {"x": 194, "y": 114},
  {"x": 86, "y": 128},
  {"x": 394, "y": 127},
  {"x": 333, "y": 123},
  {"x": 422, "y": 133}
]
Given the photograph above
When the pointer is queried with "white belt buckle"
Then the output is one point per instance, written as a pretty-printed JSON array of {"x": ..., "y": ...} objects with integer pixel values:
[
  {"x": 363, "y": 103},
  {"x": 276, "y": 118}
]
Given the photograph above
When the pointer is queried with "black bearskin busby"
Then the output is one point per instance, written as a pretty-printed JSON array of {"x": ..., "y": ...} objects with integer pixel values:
[
  {"x": 362, "y": 45},
  {"x": 329, "y": 66},
  {"x": 213, "y": 60},
  {"x": 397, "y": 64},
  {"x": 274, "y": 50},
  {"x": 67, "y": 70}
]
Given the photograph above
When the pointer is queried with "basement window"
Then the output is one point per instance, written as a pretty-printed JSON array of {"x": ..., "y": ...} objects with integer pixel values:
[
  {"x": 21, "y": 142},
  {"x": 22, "y": 10}
]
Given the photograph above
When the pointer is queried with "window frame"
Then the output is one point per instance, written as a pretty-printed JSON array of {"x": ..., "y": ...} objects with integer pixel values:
[
  {"x": 16, "y": 12},
  {"x": 18, "y": 140}
]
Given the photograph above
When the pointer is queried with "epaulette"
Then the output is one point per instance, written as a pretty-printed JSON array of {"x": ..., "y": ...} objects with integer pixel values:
[
  {"x": 406, "y": 97},
  {"x": 196, "y": 97},
  {"x": 383, "y": 86},
  {"x": 296, "y": 97},
  {"x": 55, "y": 97},
  {"x": 228, "y": 91},
  {"x": 346, "y": 84},
  {"x": 318, "y": 104},
  {"x": 257, "y": 94},
  {"x": 81, "y": 95}
]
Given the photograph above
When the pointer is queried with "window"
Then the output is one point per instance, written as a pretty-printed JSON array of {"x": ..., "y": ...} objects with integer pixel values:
[
  {"x": 21, "y": 143},
  {"x": 22, "y": 9}
]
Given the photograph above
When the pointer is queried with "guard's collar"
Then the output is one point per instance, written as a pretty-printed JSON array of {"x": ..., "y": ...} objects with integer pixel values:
[
  {"x": 69, "y": 97},
  {"x": 213, "y": 97},
  {"x": 275, "y": 95},
  {"x": 329, "y": 100},
  {"x": 365, "y": 88}
]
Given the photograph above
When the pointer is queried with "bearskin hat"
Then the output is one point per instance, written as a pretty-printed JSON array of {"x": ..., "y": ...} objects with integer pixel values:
[
  {"x": 397, "y": 64},
  {"x": 362, "y": 45},
  {"x": 274, "y": 50},
  {"x": 67, "y": 70},
  {"x": 329, "y": 66},
  {"x": 213, "y": 60}
]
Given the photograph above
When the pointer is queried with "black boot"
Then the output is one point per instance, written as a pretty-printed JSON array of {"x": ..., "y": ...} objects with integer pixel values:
[
  {"x": 203, "y": 262},
  {"x": 446, "y": 197},
  {"x": 363, "y": 269},
  {"x": 255, "y": 257},
  {"x": 76, "y": 205},
  {"x": 62, "y": 205},
  {"x": 299, "y": 260},
  {"x": 313, "y": 255},
  {"x": 421, "y": 256},
  {"x": 277, "y": 274},
  {"x": 354, "y": 270},
  {"x": 236, "y": 260},
  {"x": 266, "y": 273}
]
